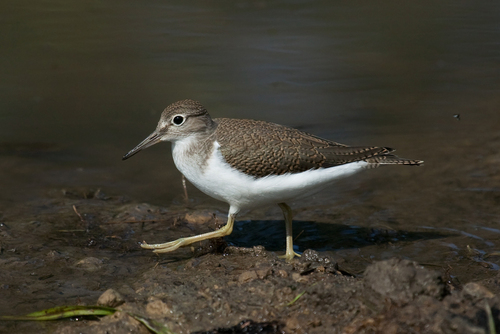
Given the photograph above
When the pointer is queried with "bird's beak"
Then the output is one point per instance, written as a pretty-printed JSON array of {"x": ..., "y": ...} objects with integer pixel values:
[{"x": 152, "y": 139}]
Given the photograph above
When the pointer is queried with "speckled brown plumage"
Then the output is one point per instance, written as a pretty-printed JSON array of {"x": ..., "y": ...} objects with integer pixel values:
[{"x": 260, "y": 149}]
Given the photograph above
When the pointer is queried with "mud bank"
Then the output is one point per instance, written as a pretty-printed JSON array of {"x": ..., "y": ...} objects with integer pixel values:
[{"x": 83, "y": 249}]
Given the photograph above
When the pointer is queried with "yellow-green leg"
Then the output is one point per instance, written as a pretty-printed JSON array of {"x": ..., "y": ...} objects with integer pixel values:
[
  {"x": 173, "y": 245},
  {"x": 287, "y": 213}
]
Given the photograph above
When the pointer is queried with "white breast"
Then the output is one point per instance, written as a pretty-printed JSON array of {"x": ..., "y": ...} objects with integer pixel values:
[{"x": 217, "y": 179}]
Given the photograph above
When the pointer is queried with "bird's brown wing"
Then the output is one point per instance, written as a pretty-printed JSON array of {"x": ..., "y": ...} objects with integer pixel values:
[{"x": 260, "y": 149}]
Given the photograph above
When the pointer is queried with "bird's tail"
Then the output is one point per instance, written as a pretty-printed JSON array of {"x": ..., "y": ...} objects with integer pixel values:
[{"x": 390, "y": 159}]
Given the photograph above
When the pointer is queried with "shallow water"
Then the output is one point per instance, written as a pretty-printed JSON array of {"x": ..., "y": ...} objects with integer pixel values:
[{"x": 83, "y": 83}]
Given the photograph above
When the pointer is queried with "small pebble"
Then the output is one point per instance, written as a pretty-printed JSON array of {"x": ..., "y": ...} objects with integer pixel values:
[{"x": 110, "y": 298}]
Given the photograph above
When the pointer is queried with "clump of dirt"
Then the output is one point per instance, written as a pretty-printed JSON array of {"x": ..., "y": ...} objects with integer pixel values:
[{"x": 80, "y": 247}]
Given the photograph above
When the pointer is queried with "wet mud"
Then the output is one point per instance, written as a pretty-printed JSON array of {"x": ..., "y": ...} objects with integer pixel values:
[{"x": 84, "y": 250}]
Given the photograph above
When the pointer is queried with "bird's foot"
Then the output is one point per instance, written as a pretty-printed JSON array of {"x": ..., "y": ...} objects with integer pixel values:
[
  {"x": 289, "y": 256},
  {"x": 181, "y": 242},
  {"x": 165, "y": 247}
]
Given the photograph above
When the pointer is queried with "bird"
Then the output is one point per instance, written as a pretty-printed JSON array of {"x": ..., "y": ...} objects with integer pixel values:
[{"x": 251, "y": 163}]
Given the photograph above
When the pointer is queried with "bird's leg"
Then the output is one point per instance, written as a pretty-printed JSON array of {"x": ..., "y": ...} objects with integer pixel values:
[
  {"x": 173, "y": 245},
  {"x": 287, "y": 213},
  {"x": 186, "y": 198}
]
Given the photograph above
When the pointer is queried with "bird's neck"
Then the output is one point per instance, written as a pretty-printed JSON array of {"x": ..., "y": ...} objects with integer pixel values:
[{"x": 193, "y": 151}]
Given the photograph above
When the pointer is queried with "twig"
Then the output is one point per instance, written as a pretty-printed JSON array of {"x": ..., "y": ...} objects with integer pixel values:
[
  {"x": 79, "y": 215},
  {"x": 137, "y": 221},
  {"x": 298, "y": 235}
]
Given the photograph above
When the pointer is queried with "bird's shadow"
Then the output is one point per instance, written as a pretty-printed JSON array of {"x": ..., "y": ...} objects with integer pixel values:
[{"x": 319, "y": 236}]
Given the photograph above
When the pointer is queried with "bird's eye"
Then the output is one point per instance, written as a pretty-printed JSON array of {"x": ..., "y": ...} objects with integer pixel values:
[{"x": 178, "y": 120}]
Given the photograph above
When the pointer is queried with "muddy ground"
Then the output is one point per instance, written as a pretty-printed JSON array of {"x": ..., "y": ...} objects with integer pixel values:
[{"x": 84, "y": 251}]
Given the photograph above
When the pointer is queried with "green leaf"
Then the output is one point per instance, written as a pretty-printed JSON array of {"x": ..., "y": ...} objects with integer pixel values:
[
  {"x": 299, "y": 295},
  {"x": 296, "y": 298},
  {"x": 152, "y": 325},
  {"x": 62, "y": 312}
]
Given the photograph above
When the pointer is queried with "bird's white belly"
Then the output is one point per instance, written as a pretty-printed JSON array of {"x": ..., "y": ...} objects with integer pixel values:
[{"x": 218, "y": 180}]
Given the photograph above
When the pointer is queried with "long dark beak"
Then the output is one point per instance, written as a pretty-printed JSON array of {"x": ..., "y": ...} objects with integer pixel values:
[{"x": 152, "y": 139}]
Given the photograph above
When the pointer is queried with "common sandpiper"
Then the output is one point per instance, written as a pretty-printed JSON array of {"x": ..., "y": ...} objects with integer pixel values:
[{"x": 248, "y": 163}]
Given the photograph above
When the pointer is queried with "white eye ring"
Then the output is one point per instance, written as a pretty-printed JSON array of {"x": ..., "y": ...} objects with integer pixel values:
[{"x": 178, "y": 120}]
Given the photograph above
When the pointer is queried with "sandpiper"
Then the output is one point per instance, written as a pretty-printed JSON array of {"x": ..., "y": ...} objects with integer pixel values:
[{"x": 248, "y": 163}]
